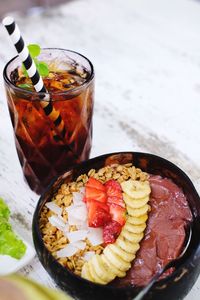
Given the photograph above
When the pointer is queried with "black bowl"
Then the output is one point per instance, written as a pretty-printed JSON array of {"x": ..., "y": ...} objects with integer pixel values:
[{"x": 175, "y": 286}]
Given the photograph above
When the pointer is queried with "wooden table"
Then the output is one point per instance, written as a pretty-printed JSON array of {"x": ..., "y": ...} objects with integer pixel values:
[{"x": 147, "y": 60}]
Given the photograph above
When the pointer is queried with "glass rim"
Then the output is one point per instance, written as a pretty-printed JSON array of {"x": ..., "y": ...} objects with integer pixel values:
[{"x": 34, "y": 93}]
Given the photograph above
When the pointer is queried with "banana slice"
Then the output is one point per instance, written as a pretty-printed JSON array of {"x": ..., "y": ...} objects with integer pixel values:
[
  {"x": 132, "y": 237},
  {"x": 127, "y": 246},
  {"x": 137, "y": 212},
  {"x": 136, "y": 189},
  {"x": 85, "y": 273},
  {"x": 94, "y": 275},
  {"x": 123, "y": 254},
  {"x": 135, "y": 203},
  {"x": 137, "y": 220},
  {"x": 110, "y": 268},
  {"x": 116, "y": 271},
  {"x": 101, "y": 270},
  {"x": 116, "y": 260},
  {"x": 134, "y": 228},
  {"x": 117, "y": 257}
]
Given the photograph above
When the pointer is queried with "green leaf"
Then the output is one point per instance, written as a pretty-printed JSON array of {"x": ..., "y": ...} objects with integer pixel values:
[
  {"x": 10, "y": 244},
  {"x": 24, "y": 70},
  {"x": 25, "y": 86},
  {"x": 43, "y": 69},
  {"x": 34, "y": 50},
  {"x": 4, "y": 225},
  {"x": 36, "y": 60},
  {"x": 4, "y": 210}
]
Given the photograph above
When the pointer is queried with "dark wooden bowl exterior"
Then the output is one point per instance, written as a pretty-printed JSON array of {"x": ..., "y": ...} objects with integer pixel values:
[{"x": 174, "y": 287}]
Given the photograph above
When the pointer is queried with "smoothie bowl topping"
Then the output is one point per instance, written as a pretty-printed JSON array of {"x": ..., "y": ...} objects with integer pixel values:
[{"x": 116, "y": 225}]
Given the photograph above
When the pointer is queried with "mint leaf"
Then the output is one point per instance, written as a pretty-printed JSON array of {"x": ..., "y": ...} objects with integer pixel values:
[
  {"x": 43, "y": 69},
  {"x": 24, "y": 71},
  {"x": 25, "y": 86},
  {"x": 36, "y": 61},
  {"x": 34, "y": 50}
]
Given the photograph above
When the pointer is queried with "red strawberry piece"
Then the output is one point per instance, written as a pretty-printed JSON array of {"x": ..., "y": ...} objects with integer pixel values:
[
  {"x": 94, "y": 190},
  {"x": 98, "y": 214},
  {"x": 117, "y": 213},
  {"x": 92, "y": 182},
  {"x": 116, "y": 200},
  {"x": 98, "y": 204},
  {"x": 113, "y": 187},
  {"x": 95, "y": 194},
  {"x": 114, "y": 192},
  {"x": 111, "y": 231}
]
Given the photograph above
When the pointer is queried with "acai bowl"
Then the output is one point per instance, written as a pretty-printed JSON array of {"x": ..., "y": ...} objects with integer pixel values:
[{"x": 133, "y": 212}]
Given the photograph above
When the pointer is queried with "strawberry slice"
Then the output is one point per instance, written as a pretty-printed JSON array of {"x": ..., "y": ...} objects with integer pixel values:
[
  {"x": 111, "y": 231},
  {"x": 94, "y": 190},
  {"x": 114, "y": 192},
  {"x": 98, "y": 213},
  {"x": 104, "y": 203},
  {"x": 113, "y": 188},
  {"x": 92, "y": 182},
  {"x": 117, "y": 213},
  {"x": 94, "y": 194},
  {"x": 116, "y": 200},
  {"x": 98, "y": 204}
]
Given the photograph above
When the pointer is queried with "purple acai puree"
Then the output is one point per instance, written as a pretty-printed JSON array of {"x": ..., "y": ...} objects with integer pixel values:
[{"x": 165, "y": 232}]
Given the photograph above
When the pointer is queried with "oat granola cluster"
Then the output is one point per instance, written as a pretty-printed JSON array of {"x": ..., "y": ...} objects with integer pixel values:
[{"x": 54, "y": 238}]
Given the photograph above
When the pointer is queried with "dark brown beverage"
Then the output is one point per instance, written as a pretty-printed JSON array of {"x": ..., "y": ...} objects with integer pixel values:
[{"x": 42, "y": 152}]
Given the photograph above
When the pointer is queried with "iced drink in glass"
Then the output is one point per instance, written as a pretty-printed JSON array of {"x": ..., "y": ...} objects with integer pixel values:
[{"x": 42, "y": 152}]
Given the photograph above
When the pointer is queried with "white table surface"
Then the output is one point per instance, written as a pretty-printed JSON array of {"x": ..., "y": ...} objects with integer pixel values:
[{"x": 147, "y": 60}]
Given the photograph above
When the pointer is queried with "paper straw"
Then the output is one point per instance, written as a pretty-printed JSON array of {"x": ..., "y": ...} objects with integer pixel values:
[{"x": 26, "y": 59}]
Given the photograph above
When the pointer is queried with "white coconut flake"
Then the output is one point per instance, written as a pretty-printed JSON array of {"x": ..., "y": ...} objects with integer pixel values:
[
  {"x": 69, "y": 208},
  {"x": 71, "y": 249},
  {"x": 80, "y": 212},
  {"x": 74, "y": 221},
  {"x": 95, "y": 236},
  {"x": 77, "y": 198},
  {"x": 57, "y": 221},
  {"x": 68, "y": 251},
  {"x": 66, "y": 228},
  {"x": 76, "y": 208},
  {"x": 75, "y": 236},
  {"x": 77, "y": 212},
  {"x": 82, "y": 190},
  {"x": 65, "y": 233},
  {"x": 54, "y": 208},
  {"x": 79, "y": 244},
  {"x": 84, "y": 225},
  {"x": 88, "y": 255}
]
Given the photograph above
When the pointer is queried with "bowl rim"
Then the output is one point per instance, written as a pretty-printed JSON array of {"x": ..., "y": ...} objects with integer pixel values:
[{"x": 40, "y": 204}]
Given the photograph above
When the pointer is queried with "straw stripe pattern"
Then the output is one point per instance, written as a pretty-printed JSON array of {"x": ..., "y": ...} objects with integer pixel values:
[{"x": 34, "y": 75}]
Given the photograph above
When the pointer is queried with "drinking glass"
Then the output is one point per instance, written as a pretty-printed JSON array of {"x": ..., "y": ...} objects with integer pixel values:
[{"x": 42, "y": 153}]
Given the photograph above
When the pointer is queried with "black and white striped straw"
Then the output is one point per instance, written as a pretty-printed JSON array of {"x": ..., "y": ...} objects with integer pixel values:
[{"x": 26, "y": 59}]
